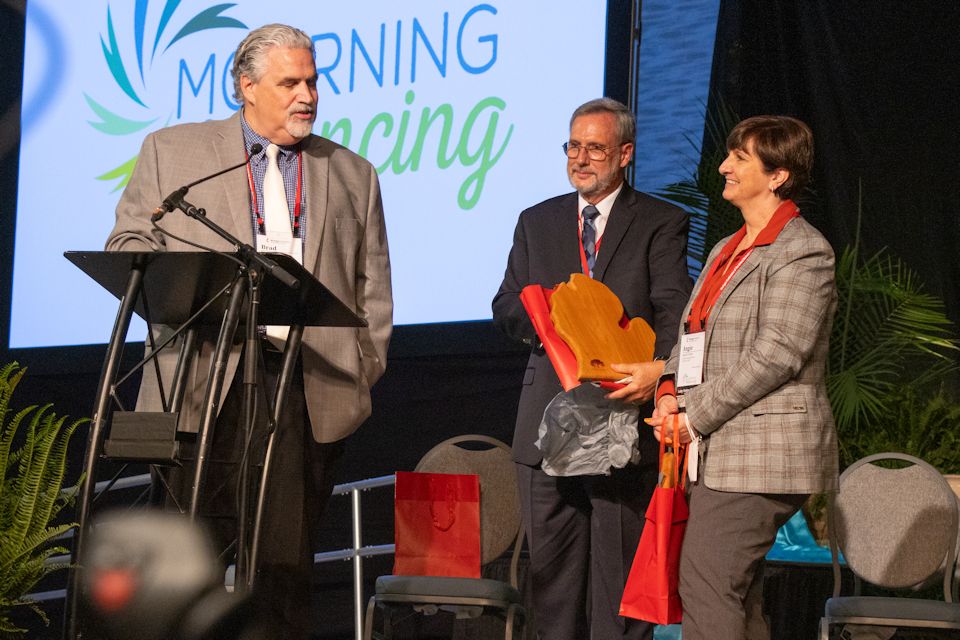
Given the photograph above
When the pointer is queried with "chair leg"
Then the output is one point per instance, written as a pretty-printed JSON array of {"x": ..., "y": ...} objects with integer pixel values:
[
  {"x": 511, "y": 627},
  {"x": 388, "y": 622},
  {"x": 368, "y": 620},
  {"x": 387, "y": 615}
]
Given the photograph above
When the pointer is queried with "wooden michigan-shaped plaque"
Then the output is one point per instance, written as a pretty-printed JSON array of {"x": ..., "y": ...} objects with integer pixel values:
[{"x": 589, "y": 318}]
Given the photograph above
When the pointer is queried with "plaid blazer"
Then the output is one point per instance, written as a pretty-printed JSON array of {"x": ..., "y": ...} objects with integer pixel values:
[{"x": 762, "y": 407}]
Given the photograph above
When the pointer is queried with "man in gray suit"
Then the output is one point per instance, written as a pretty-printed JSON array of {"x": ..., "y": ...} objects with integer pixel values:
[
  {"x": 583, "y": 530},
  {"x": 335, "y": 227}
]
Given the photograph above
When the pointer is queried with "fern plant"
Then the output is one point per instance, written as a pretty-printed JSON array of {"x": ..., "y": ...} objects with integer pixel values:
[
  {"x": 920, "y": 424},
  {"x": 30, "y": 498}
]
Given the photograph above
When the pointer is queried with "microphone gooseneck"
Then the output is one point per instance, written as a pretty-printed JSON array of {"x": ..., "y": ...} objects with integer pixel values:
[{"x": 175, "y": 199}]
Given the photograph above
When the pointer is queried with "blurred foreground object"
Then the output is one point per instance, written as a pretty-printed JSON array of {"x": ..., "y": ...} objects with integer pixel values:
[{"x": 155, "y": 576}]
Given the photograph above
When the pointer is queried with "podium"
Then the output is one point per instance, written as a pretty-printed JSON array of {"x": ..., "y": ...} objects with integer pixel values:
[{"x": 197, "y": 291}]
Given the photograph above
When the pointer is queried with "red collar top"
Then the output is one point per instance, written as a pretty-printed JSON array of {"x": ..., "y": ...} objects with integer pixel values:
[{"x": 726, "y": 264}]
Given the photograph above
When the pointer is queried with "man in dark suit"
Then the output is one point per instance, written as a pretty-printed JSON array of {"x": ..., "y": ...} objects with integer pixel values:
[{"x": 583, "y": 530}]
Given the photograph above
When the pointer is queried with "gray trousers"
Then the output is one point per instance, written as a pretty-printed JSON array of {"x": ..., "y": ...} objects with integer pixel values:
[
  {"x": 721, "y": 567},
  {"x": 582, "y": 533}
]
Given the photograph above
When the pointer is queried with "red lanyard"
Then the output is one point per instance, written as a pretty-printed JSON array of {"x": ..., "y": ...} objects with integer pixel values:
[
  {"x": 583, "y": 254},
  {"x": 296, "y": 204}
]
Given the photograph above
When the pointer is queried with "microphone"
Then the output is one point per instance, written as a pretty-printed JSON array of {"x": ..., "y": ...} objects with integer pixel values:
[{"x": 175, "y": 199}]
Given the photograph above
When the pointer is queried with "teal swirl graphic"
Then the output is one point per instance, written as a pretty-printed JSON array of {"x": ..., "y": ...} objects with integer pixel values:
[{"x": 121, "y": 65}]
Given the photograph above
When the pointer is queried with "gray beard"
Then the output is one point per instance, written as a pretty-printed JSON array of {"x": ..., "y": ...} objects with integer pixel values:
[
  {"x": 598, "y": 187},
  {"x": 300, "y": 129}
]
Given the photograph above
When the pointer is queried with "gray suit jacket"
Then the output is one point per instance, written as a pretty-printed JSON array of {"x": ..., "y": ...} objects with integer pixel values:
[
  {"x": 345, "y": 248},
  {"x": 763, "y": 406}
]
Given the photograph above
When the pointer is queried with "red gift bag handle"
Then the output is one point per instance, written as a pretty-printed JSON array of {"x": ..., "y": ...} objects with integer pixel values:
[{"x": 671, "y": 476}]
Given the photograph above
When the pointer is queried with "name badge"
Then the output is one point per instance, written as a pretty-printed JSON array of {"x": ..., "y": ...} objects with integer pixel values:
[
  {"x": 690, "y": 366},
  {"x": 291, "y": 246}
]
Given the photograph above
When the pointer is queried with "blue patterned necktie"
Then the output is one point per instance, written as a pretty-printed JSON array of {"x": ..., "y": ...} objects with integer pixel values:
[{"x": 589, "y": 236}]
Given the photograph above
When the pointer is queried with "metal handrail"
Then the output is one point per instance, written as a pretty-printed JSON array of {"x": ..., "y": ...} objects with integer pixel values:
[{"x": 358, "y": 551}]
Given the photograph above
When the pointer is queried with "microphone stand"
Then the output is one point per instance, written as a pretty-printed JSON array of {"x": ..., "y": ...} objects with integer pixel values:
[
  {"x": 250, "y": 257},
  {"x": 171, "y": 201},
  {"x": 246, "y": 252}
]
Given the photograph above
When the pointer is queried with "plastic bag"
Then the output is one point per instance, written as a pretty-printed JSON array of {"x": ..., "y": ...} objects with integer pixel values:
[{"x": 584, "y": 433}]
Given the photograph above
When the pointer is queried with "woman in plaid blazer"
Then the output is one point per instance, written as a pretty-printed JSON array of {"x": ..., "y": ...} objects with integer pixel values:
[{"x": 755, "y": 407}]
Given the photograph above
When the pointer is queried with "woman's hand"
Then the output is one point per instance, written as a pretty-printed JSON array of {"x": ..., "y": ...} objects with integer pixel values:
[
  {"x": 667, "y": 420},
  {"x": 667, "y": 405},
  {"x": 643, "y": 381}
]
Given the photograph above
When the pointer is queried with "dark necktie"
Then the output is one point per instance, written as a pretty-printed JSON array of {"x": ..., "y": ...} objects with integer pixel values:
[{"x": 589, "y": 236}]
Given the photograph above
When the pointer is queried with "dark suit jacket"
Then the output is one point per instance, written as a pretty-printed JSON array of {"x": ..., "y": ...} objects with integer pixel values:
[{"x": 642, "y": 259}]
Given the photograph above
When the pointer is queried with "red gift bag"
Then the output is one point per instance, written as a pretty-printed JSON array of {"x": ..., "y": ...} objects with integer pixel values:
[
  {"x": 437, "y": 529},
  {"x": 651, "y": 592}
]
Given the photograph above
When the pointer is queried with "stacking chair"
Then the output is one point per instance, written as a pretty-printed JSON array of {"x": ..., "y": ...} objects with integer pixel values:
[
  {"x": 897, "y": 528},
  {"x": 500, "y": 528}
]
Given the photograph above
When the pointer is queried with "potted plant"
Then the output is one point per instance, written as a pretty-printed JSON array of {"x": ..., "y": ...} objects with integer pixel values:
[{"x": 33, "y": 452}]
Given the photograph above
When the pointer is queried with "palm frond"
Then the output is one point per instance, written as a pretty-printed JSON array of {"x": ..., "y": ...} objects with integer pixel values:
[
  {"x": 701, "y": 195},
  {"x": 885, "y": 324}
]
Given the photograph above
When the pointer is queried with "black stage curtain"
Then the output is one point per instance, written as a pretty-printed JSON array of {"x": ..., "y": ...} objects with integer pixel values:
[{"x": 879, "y": 84}]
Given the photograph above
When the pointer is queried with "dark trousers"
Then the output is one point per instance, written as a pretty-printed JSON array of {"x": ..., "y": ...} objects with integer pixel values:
[
  {"x": 582, "y": 533},
  {"x": 302, "y": 478},
  {"x": 721, "y": 567}
]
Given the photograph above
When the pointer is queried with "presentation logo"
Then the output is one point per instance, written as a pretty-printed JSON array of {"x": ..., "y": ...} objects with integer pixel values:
[
  {"x": 370, "y": 71},
  {"x": 147, "y": 47}
]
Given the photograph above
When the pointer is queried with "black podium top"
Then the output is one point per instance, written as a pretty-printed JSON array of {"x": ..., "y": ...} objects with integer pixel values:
[{"x": 176, "y": 284}]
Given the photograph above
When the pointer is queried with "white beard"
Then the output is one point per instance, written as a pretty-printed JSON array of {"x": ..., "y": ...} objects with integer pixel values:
[{"x": 299, "y": 129}]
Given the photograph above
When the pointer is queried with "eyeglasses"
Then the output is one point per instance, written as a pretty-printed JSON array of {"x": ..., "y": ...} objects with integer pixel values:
[{"x": 594, "y": 151}]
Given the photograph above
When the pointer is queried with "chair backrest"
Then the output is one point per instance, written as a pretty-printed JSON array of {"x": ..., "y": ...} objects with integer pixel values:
[
  {"x": 896, "y": 527},
  {"x": 499, "y": 501}
]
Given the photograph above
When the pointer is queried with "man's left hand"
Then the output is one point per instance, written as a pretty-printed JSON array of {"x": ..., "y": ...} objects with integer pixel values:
[{"x": 642, "y": 383}]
